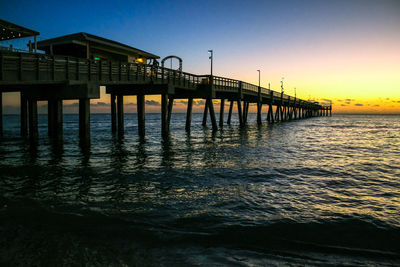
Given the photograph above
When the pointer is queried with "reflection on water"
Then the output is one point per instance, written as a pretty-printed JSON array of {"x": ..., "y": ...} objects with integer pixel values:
[{"x": 321, "y": 174}]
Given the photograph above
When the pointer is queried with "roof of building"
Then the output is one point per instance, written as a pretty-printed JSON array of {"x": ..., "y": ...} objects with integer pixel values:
[
  {"x": 82, "y": 38},
  {"x": 10, "y": 31}
]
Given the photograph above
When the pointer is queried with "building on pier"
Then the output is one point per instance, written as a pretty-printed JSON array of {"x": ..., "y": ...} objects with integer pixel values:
[
  {"x": 10, "y": 31},
  {"x": 89, "y": 46}
]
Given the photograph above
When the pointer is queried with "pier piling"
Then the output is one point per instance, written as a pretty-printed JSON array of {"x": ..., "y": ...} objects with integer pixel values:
[
  {"x": 140, "y": 101},
  {"x": 113, "y": 113},
  {"x": 120, "y": 114},
  {"x": 1, "y": 113},
  {"x": 221, "y": 113},
  {"x": 189, "y": 114},
  {"x": 84, "y": 118},
  {"x": 164, "y": 115},
  {"x": 24, "y": 115},
  {"x": 33, "y": 119},
  {"x": 212, "y": 114},
  {"x": 230, "y": 113}
]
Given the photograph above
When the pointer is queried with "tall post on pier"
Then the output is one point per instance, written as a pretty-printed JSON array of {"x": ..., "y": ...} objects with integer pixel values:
[
  {"x": 24, "y": 115},
  {"x": 221, "y": 113},
  {"x": 230, "y": 112},
  {"x": 113, "y": 113},
  {"x": 141, "y": 114},
  {"x": 120, "y": 114},
  {"x": 33, "y": 119},
  {"x": 84, "y": 118},
  {"x": 189, "y": 114}
]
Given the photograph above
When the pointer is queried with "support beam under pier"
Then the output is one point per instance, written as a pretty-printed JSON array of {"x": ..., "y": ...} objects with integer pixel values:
[
  {"x": 113, "y": 113},
  {"x": 141, "y": 114},
  {"x": 230, "y": 113},
  {"x": 55, "y": 118},
  {"x": 24, "y": 115},
  {"x": 239, "y": 104},
  {"x": 1, "y": 114},
  {"x": 84, "y": 118},
  {"x": 204, "y": 123},
  {"x": 259, "y": 109},
  {"x": 189, "y": 114},
  {"x": 221, "y": 113},
  {"x": 170, "y": 106},
  {"x": 33, "y": 119},
  {"x": 164, "y": 115},
  {"x": 120, "y": 114},
  {"x": 212, "y": 115}
]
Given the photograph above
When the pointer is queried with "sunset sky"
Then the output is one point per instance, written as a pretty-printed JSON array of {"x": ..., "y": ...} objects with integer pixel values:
[{"x": 346, "y": 51}]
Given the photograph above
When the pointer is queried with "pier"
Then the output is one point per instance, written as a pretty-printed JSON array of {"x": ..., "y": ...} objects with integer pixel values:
[{"x": 54, "y": 78}]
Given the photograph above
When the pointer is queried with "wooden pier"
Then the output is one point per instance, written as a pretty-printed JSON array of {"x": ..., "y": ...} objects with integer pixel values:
[{"x": 56, "y": 78}]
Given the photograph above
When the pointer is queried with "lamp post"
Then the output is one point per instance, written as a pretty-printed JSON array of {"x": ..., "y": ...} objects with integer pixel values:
[
  {"x": 259, "y": 76},
  {"x": 211, "y": 58},
  {"x": 282, "y": 84}
]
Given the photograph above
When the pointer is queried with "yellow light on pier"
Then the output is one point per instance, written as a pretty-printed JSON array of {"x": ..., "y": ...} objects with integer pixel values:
[{"x": 140, "y": 60}]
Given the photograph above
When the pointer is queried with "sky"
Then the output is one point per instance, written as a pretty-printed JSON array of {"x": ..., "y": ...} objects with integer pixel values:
[{"x": 345, "y": 51}]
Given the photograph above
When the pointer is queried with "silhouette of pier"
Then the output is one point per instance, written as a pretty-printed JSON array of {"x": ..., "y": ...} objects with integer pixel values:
[{"x": 55, "y": 78}]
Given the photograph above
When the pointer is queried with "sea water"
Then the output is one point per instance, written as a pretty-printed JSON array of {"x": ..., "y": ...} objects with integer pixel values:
[{"x": 317, "y": 191}]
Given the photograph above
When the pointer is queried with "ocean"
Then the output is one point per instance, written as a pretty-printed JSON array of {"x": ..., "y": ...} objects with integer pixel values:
[{"x": 318, "y": 191}]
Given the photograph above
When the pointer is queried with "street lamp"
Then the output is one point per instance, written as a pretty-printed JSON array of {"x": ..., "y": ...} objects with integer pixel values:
[
  {"x": 295, "y": 94},
  {"x": 211, "y": 57},
  {"x": 259, "y": 75},
  {"x": 282, "y": 84}
]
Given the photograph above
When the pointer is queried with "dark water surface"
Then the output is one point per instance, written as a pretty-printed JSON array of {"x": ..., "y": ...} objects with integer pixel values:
[{"x": 318, "y": 191}]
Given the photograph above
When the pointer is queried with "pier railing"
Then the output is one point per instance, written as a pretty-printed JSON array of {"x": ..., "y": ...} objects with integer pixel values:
[{"x": 20, "y": 67}]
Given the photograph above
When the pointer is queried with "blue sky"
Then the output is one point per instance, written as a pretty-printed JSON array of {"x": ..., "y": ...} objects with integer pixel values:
[{"x": 327, "y": 49}]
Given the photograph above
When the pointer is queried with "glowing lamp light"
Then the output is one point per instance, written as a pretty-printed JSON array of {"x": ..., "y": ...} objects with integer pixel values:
[
  {"x": 140, "y": 60},
  {"x": 96, "y": 58}
]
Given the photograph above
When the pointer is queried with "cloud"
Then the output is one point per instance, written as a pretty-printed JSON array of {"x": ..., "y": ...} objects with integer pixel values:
[
  {"x": 100, "y": 104},
  {"x": 76, "y": 104},
  {"x": 343, "y": 105},
  {"x": 153, "y": 103},
  {"x": 376, "y": 105},
  {"x": 358, "y": 105},
  {"x": 199, "y": 102}
]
